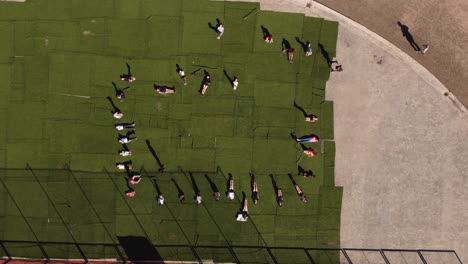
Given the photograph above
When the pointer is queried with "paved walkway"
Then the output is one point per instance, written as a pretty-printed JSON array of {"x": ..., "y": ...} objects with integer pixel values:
[
  {"x": 401, "y": 144},
  {"x": 442, "y": 24}
]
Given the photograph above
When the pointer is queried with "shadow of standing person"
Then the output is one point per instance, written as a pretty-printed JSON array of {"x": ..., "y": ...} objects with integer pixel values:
[{"x": 408, "y": 36}]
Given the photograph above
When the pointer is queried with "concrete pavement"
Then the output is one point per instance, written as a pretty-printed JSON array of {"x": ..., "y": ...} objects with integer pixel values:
[{"x": 402, "y": 153}]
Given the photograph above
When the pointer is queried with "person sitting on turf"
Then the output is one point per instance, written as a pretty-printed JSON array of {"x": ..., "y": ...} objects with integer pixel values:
[
  {"x": 117, "y": 114},
  {"x": 160, "y": 199},
  {"x": 269, "y": 39},
  {"x": 126, "y": 139},
  {"x": 244, "y": 215},
  {"x": 311, "y": 118},
  {"x": 119, "y": 93},
  {"x": 124, "y": 165},
  {"x": 290, "y": 53},
  {"x": 135, "y": 179},
  {"x": 300, "y": 193},
  {"x": 198, "y": 199},
  {"x": 230, "y": 192},
  {"x": 308, "y": 49},
  {"x": 130, "y": 193},
  {"x": 216, "y": 195},
  {"x": 181, "y": 73},
  {"x": 127, "y": 77},
  {"x": 123, "y": 126},
  {"x": 255, "y": 192},
  {"x": 279, "y": 197},
  {"x": 305, "y": 173},
  {"x": 309, "y": 152},
  {"x": 308, "y": 139},
  {"x": 205, "y": 82},
  {"x": 163, "y": 90}
]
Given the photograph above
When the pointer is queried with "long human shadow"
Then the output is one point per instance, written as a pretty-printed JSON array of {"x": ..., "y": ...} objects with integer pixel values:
[
  {"x": 156, "y": 186},
  {"x": 325, "y": 54},
  {"x": 214, "y": 28},
  {"x": 196, "y": 190},
  {"x": 139, "y": 249},
  {"x": 303, "y": 45},
  {"x": 273, "y": 182},
  {"x": 292, "y": 180},
  {"x": 115, "y": 108},
  {"x": 305, "y": 173},
  {"x": 118, "y": 90},
  {"x": 129, "y": 72},
  {"x": 265, "y": 32},
  {"x": 228, "y": 77},
  {"x": 213, "y": 186},
  {"x": 252, "y": 180},
  {"x": 300, "y": 109},
  {"x": 408, "y": 36},
  {"x": 285, "y": 44},
  {"x": 155, "y": 155},
  {"x": 179, "y": 190}
]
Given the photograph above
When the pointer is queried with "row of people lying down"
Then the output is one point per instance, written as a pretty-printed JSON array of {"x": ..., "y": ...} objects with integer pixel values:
[{"x": 135, "y": 178}]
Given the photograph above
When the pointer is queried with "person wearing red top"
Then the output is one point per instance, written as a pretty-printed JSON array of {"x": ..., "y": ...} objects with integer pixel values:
[
  {"x": 290, "y": 53},
  {"x": 309, "y": 152}
]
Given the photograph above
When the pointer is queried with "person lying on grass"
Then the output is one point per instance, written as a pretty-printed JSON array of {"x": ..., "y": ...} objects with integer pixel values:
[
  {"x": 230, "y": 192},
  {"x": 123, "y": 126},
  {"x": 243, "y": 216},
  {"x": 163, "y": 90},
  {"x": 300, "y": 193},
  {"x": 255, "y": 192}
]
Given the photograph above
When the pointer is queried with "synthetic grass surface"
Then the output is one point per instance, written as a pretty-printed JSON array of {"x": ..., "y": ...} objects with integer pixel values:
[{"x": 57, "y": 62}]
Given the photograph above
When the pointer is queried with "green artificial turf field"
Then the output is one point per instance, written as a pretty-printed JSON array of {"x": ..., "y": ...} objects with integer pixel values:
[{"x": 57, "y": 62}]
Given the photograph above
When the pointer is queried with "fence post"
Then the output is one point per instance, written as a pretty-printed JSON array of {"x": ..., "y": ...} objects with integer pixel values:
[
  {"x": 421, "y": 257},
  {"x": 309, "y": 256},
  {"x": 384, "y": 257},
  {"x": 346, "y": 256}
]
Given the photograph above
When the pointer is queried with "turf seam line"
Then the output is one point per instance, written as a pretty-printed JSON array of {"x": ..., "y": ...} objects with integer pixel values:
[{"x": 56, "y": 210}]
